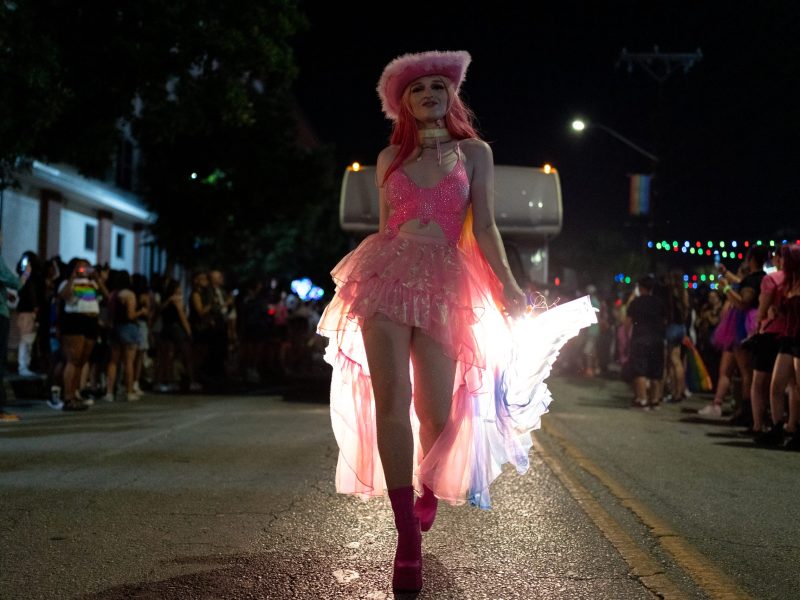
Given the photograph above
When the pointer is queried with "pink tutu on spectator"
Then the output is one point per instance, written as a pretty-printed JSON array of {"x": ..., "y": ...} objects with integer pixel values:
[
  {"x": 734, "y": 326},
  {"x": 499, "y": 395}
]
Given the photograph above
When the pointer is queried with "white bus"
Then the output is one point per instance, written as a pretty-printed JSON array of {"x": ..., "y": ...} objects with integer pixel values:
[{"x": 528, "y": 211}]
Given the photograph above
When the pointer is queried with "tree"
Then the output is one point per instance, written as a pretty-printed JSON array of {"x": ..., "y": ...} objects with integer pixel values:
[{"x": 205, "y": 89}]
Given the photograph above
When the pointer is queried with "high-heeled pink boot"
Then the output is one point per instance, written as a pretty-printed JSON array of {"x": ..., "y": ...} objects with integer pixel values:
[
  {"x": 407, "y": 576},
  {"x": 425, "y": 508}
]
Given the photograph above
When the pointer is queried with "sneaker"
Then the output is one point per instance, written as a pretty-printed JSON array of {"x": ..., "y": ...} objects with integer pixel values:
[
  {"x": 792, "y": 442},
  {"x": 774, "y": 436},
  {"x": 711, "y": 410},
  {"x": 55, "y": 403},
  {"x": 640, "y": 405},
  {"x": 87, "y": 401},
  {"x": 25, "y": 372},
  {"x": 137, "y": 389},
  {"x": 6, "y": 417},
  {"x": 163, "y": 388},
  {"x": 108, "y": 397},
  {"x": 132, "y": 397}
]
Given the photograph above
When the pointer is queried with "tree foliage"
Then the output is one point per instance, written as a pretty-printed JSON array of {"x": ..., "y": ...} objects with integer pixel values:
[{"x": 205, "y": 89}]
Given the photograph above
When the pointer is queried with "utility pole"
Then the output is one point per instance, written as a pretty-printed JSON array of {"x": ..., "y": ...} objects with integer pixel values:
[{"x": 660, "y": 66}]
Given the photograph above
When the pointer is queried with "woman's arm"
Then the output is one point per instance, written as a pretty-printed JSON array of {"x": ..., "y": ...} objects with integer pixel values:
[
  {"x": 182, "y": 316},
  {"x": 742, "y": 299},
  {"x": 485, "y": 228},
  {"x": 197, "y": 305}
]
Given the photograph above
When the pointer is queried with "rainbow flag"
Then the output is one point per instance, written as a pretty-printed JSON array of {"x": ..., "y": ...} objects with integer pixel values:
[
  {"x": 698, "y": 379},
  {"x": 640, "y": 194}
]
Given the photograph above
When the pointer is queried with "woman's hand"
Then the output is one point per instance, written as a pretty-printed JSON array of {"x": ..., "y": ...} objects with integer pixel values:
[{"x": 516, "y": 300}]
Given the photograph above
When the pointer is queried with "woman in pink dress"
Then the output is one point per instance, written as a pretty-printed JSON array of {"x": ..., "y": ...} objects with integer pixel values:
[{"x": 432, "y": 389}]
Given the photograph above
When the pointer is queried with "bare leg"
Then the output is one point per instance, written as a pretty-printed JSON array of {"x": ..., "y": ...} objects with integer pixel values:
[
  {"x": 781, "y": 375},
  {"x": 434, "y": 374},
  {"x": 759, "y": 397},
  {"x": 388, "y": 351},
  {"x": 678, "y": 373},
  {"x": 794, "y": 407},
  {"x": 640, "y": 388},
  {"x": 726, "y": 366},
  {"x": 744, "y": 363},
  {"x": 113, "y": 365},
  {"x": 73, "y": 349},
  {"x": 129, "y": 352},
  {"x": 654, "y": 391}
]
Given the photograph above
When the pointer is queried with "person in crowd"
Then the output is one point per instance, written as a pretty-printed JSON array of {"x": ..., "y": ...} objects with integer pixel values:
[
  {"x": 780, "y": 312},
  {"x": 201, "y": 320},
  {"x": 29, "y": 307},
  {"x": 676, "y": 300},
  {"x": 763, "y": 344},
  {"x": 175, "y": 338},
  {"x": 254, "y": 323},
  {"x": 646, "y": 315},
  {"x": 408, "y": 295},
  {"x": 738, "y": 322},
  {"x": 146, "y": 310},
  {"x": 223, "y": 314},
  {"x": 708, "y": 317},
  {"x": 124, "y": 338},
  {"x": 590, "y": 338},
  {"x": 93, "y": 374},
  {"x": 9, "y": 286},
  {"x": 279, "y": 331},
  {"x": 78, "y": 325},
  {"x": 51, "y": 325}
]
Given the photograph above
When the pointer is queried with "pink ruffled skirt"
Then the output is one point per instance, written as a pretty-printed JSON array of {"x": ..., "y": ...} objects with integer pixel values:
[{"x": 499, "y": 393}]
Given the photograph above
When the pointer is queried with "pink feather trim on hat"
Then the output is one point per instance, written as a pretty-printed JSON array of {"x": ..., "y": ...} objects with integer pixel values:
[{"x": 406, "y": 68}]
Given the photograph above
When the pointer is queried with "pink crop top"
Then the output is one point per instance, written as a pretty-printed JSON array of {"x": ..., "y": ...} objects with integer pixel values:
[{"x": 444, "y": 204}]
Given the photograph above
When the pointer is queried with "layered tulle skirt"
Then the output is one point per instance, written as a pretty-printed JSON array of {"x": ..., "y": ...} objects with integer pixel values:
[
  {"x": 735, "y": 325},
  {"x": 498, "y": 394}
]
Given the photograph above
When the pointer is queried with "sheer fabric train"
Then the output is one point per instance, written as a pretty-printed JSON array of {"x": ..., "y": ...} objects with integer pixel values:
[{"x": 499, "y": 392}]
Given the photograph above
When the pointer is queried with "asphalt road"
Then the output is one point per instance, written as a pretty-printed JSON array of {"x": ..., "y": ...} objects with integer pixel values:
[{"x": 233, "y": 497}]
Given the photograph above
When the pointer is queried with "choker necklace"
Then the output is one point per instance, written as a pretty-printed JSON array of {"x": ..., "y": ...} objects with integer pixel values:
[
  {"x": 437, "y": 135},
  {"x": 434, "y": 133}
]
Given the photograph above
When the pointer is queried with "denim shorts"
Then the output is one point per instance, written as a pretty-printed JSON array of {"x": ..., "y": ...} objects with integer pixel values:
[
  {"x": 127, "y": 333},
  {"x": 675, "y": 333}
]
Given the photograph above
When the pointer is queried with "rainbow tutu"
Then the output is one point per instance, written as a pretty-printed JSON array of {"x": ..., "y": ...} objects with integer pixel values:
[{"x": 499, "y": 390}]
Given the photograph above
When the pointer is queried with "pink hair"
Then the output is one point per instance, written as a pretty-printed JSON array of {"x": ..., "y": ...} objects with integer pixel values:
[
  {"x": 458, "y": 120},
  {"x": 790, "y": 255}
]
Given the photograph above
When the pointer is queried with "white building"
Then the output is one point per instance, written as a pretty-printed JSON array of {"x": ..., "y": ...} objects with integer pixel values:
[{"x": 57, "y": 211}]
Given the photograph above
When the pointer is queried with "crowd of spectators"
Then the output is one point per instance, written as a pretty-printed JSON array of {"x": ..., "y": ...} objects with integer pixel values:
[
  {"x": 743, "y": 334},
  {"x": 98, "y": 334}
]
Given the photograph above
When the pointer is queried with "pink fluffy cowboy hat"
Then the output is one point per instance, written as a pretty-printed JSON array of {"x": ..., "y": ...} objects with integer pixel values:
[{"x": 408, "y": 67}]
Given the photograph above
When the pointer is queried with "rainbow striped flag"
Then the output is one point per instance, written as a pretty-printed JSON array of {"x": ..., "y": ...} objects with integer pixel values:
[{"x": 640, "y": 194}]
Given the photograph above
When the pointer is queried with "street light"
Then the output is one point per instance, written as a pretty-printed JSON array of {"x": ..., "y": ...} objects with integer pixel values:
[{"x": 580, "y": 125}]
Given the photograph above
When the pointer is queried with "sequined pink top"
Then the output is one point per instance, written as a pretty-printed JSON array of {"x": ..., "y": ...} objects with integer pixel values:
[{"x": 445, "y": 204}]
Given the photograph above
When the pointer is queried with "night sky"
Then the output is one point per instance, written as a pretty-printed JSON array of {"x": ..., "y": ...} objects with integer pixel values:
[{"x": 726, "y": 130}]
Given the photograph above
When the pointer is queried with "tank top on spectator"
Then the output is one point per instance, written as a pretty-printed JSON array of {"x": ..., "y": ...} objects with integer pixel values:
[
  {"x": 120, "y": 310},
  {"x": 753, "y": 280},
  {"x": 773, "y": 283},
  {"x": 84, "y": 297},
  {"x": 169, "y": 316}
]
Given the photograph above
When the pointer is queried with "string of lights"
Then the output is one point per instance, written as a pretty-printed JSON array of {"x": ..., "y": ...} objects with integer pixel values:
[{"x": 733, "y": 249}]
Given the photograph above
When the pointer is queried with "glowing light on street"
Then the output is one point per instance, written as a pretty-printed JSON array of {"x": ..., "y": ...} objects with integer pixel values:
[{"x": 578, "y": 125}]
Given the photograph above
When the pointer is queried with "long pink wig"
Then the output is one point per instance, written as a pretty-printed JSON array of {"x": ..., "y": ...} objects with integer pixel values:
[{"x": 790, "y": 256}]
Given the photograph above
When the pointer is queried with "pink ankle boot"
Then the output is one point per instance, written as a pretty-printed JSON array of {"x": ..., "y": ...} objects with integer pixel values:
[
  {"x": 425, "y": 508},
  {"x": 407, "y": 576}
]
